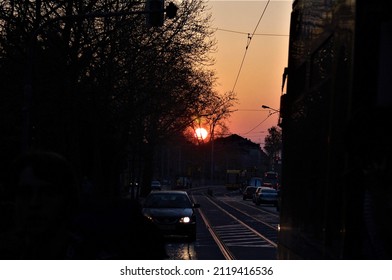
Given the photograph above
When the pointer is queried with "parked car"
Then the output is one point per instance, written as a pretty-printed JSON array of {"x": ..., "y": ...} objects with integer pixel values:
[
  {"x": 156, "y": 186},
  {"x": 248, "y": 192},
  {"x": 266, "y": 195},
  {"x": 172, "y": 212}
]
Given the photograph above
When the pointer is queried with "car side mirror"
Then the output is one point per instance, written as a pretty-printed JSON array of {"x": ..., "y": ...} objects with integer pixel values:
[{"x": 196, "y": 205}]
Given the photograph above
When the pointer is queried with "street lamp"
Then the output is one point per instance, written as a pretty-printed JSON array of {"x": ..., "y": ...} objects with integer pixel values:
[
  {"x": 274, "y": 112},
  {"x": 267, "y": 107}
]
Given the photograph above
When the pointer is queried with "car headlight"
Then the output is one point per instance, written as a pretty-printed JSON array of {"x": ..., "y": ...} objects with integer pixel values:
[
  {"x": 148, "y": 217},
  {"x": 185, "y": 220}
]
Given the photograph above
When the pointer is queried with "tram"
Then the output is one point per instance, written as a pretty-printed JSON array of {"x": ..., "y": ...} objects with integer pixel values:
[
  {"x": 336, "y": 178},
  {"x": 233, "y": 179}
]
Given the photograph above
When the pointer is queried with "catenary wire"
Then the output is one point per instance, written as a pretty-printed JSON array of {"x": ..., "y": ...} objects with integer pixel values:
[
  {"x": 270, "y": 114},
  {"x": 255, "y": 34},
  {"x": 250, "y": 36}
]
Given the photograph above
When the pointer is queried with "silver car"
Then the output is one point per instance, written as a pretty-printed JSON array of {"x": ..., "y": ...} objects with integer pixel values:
[{"x": 266, "y": 195}]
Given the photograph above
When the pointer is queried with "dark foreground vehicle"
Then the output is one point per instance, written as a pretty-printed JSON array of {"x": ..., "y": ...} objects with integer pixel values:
[
  {"x": 336, "y": 176},
  {"x": 172, "y": 212}
]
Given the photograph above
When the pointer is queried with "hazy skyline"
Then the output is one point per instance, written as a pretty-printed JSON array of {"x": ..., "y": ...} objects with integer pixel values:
[{"x": 263, "y": 57}]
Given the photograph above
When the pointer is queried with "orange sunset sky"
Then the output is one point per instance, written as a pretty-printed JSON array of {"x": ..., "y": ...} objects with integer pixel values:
[{"x": 258, "y": 81}]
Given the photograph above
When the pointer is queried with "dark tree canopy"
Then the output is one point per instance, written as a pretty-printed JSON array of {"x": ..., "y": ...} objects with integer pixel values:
[{"x": 105, "y": 88}]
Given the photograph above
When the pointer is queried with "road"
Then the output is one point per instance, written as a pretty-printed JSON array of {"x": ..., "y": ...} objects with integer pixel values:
[{"x": 228, "y": 228}]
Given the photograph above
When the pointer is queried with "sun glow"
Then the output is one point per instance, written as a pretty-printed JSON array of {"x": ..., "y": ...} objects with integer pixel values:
[{"x": 201, "y": 133}]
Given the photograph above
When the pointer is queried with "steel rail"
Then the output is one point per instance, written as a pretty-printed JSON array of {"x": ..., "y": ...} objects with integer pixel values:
[
  {"x": 242, "y": 223},
  {"x": 255, "y": 218},
  {"x": 222, "y": 247}
]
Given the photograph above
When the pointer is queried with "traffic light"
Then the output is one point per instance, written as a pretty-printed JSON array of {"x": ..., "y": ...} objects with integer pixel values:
[
  {"x": 154, "y": 13},
  {"x": 171, "y": 10},
  {"x": 155, "y": 9}
]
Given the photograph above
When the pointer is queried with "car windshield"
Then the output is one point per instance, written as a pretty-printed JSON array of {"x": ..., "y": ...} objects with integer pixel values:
[
  {"x": 167, "y": 201},
  {"x": 268, "y": 191}
]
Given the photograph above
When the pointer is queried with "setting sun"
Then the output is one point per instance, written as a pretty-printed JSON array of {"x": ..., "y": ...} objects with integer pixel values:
[{"x": 201, "y": 133}]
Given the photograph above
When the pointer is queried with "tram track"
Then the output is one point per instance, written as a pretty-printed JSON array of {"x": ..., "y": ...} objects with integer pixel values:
[
  {"x": 239, "y": 233},
  {"x": 222, "y": 247}
]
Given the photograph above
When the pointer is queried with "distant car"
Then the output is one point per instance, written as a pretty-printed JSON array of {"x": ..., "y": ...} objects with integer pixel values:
[
  {"x": 172, "y": 212},
  {"x": 271, "y": 179},
  {"x": 248, "y": 192},
  {"x": 156, "y": 186},
  {"x": 266, "y": 195}
]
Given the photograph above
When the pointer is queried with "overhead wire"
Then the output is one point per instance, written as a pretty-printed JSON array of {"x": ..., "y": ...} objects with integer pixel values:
[
  {"x": 255, "y": 34},
  {"x": 270, "y": 114},
  {"x": 250, "y": 36}
]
